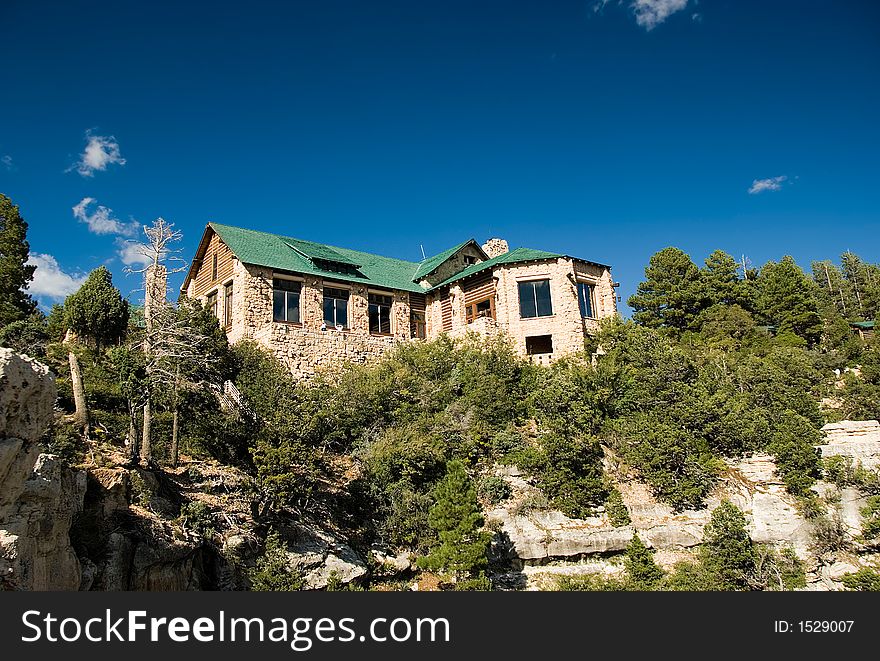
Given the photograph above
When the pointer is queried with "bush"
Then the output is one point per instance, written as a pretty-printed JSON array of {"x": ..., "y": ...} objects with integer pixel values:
[
  {"x": 642, "y": 572},
  {"x": 797, "y": 460},
  {"x": 589, "y": 583},
  {"x": 829, "y": 534},
  {"x": 864, "y": 580},
  {"x": 66, "y": 443},
  {"x": 616, "y": 508},
  {"x": 571, "y": 474},
  {"x": 273, "y": 572},
  {"x": 493, "y": 489},
  {"x": 196, "y": 516},
  {"x": 871, "y": 514},
  {"x": 727, "y": 553}
]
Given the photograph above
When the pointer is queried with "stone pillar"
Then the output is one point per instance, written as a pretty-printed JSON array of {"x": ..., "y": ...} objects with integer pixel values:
[
  {"x": 494, "y": 247},
  {"x": 458, "y": 315},
  {"x": 400, "y": 315},
  {"x": 358, "y": 313},
  {"x": 311, "y": 302}
]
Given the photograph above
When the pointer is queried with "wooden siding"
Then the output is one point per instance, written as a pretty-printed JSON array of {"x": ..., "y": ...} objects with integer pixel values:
[
  {"x": 481, "y": 288},
  {"x": 204, "y": 282},
  {"x": 446, "y": 313}
]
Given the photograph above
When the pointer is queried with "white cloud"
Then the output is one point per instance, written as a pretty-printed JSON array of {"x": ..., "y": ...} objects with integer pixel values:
[
  {"x": 761, "y": 185},
  {"x": 6, "y": 160},
  {"x": 101, "y": 221},
  {"x": 133, "y": 253},
  {"x": 651, "y": 13},
  {"x": 50, "y": 280},
  {"x": 100, "y": 152}
]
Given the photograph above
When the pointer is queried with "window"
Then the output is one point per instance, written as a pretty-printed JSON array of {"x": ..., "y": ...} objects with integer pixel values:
[
  {"x": 227, "y": 305},
  {"x": 469, "y": 260},
  {"x": 534, "y": 299},
  {"x": 212, "y": 304},
  {"x": 336, "y": 307},
  {"x": 380, "y": 314},
  {"x": 585, "y": 298},
  {"x": 539, "y": 344},
  {"x": 417, "y": 325},
  {"x": 214, "y": 267},
  {"x": 484, "y": 308},
  {"x": 285, "y": 300}
]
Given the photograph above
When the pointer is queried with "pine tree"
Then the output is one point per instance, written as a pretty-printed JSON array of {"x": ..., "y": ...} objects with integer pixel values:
[
  {"x": 721, "y": 283},
  {"x": 15, "y": 274},
  {"x": 786, "y": 298},
  {"x": 727, "y": 552},
  {"x": 457, "y": 519},
  {"x": 672, "y": 294},
  {"x": 644, "y": 574},
  {"x": 97, "y": 310}
]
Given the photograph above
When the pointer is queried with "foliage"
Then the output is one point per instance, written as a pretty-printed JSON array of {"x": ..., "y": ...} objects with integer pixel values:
[
  {"x": 456, "y": 517},
  {"x": 643, "y": 574},
  {"x": 829, "y": 534},
  {"x": 671, "y": 295},
  {"x": 28, "y": 335},
  {"x": 618, "y": 514},
  {"x": 493, "y": 489},
  {"x": 65, "y": 442},
  {"x": 570, "y": 473},
  {"x": 797, "y": 460},
  {"x": 864, "y": 580},
  {"x": 726, "y": 553},
  {"x": 786, "y": 299},
  {"x": 871, "y": 518},
  {"x": 195, "y": 515},
  {"x": 273, "y": 572},
  {"x": 15, "y": 272},
  {"x": 97, "y": 310}
]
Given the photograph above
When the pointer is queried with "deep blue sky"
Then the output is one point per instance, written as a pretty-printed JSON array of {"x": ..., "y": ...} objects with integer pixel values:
[{"x": 386, "y": 125}]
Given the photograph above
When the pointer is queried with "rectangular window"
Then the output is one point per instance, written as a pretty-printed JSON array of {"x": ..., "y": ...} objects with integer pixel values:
[
  {"x": 585, "y": 299},
  {"x": 534, "y": 299},
  {"x": 484, "y": 308},
  {"x": 469, "y": 260},
  {"x": 285, "y": 300},
  {"x": 417, "y": 325},
  {"x": 227, "y": 306},
  {"x": 336, "y": 307},
  {"x": 214, "y": 267},
  {"x": 380, "y": 314},
  {"x": 539, "y": 344},
  {"x": 212, "y": 304}
]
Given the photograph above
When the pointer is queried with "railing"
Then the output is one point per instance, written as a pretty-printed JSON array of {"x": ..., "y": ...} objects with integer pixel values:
[{"x": 232, "y": 400}]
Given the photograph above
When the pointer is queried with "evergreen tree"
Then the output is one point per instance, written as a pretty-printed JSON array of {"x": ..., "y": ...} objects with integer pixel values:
[
  {"x": 672, "y": 293},
  {"x": 15, "y": 274},
  {"x": 720, "y": 279},
  {"x": 727, "y": 553},
  {"x": 786, "y": 298},
  {"x": 644, "y": 574},
  {"x": 457, "y": 519},
  {"x": 97, "y": 310},
  {"x": 273, "y": 572}
]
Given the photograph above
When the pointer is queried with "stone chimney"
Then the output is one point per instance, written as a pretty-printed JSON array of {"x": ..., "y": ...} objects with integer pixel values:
[{"x": 495, "y": 247}]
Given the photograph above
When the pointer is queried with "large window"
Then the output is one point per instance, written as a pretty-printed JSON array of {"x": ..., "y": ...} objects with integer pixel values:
[
  {"x": 336, "y": 307},
  {"x": 285, "y": 300},
  {"x": 538, "y": 344},
  {"x": 484, "y": 308},
  {"x": 212, "y": 304},
  {"x": 585, "y": 299},
  {"x": 380, "y": 314},
  {"x": 534, "y": 299},
  {"x": 227, "y": 305}
]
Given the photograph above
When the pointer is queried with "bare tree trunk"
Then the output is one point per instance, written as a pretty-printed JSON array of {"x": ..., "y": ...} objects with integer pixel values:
[
  {"x": 79, "y": 393},
  {"x": 174, "y": 418},
  {"x": 146, "y": 449},
  {"x": 174, "y": 446},
  {"x": 131, "y": 439}
]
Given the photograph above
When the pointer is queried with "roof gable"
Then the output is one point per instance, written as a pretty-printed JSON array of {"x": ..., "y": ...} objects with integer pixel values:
[
  {"x": 514, "y": 256},
  {"x": 431, "y": 264}
]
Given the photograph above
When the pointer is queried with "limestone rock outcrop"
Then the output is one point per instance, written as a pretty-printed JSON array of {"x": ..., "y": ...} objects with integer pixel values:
[
  {"x": 321, "y": 556},
  {"x": 38, "y": 495}
]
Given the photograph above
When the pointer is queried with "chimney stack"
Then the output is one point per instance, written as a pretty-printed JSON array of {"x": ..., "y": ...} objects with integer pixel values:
[{"x": 495, "y": 247}]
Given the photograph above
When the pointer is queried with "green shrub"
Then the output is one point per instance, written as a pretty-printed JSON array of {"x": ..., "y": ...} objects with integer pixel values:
[
  {"x": 643, "y": 574},
  {"x": 493, "y": 489},
  {"x": 864, "y": 580},
  {"x": 726, "y": 552},
  {"x": 797, "y": 460},
  {"x": 197, "y": 516},
  {"x": 273, "y": 572},
  {"x": 589, "y": 583},
  {"x": 829, "y": 534},
  {"x": 66, "y": 443},
  {"x": 871, "y": 518},
  {"x": 618, "y": 514},
  {"x": 571, "y": 474}
]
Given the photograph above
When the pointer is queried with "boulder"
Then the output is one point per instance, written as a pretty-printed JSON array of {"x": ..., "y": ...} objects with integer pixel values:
[{"x": 319, "y": 555}]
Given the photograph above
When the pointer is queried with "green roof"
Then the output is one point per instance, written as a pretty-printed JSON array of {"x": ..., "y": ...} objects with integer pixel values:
[
  {"x": 427, "y": 266},
  {"x": 518, "y": 255},
  {"x": 864, "y": 325},
  {"x": 289, "y": 254}
]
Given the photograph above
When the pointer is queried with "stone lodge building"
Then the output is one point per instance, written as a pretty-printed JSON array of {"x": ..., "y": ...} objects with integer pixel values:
[{"x": 315, "y": 305}]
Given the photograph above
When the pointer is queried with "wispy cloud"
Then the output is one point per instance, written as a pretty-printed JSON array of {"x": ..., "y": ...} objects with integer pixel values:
[
  {"x": 771, "y": 184},
  {"x": 648, "y": 13},
  {"x": 132, "y": 253},
  {"x": 100, "y": 152},
  {"x": 6, "y": 161},
  {"x": 101, "y": 220},
  {"x": 50, "y": 280}
]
